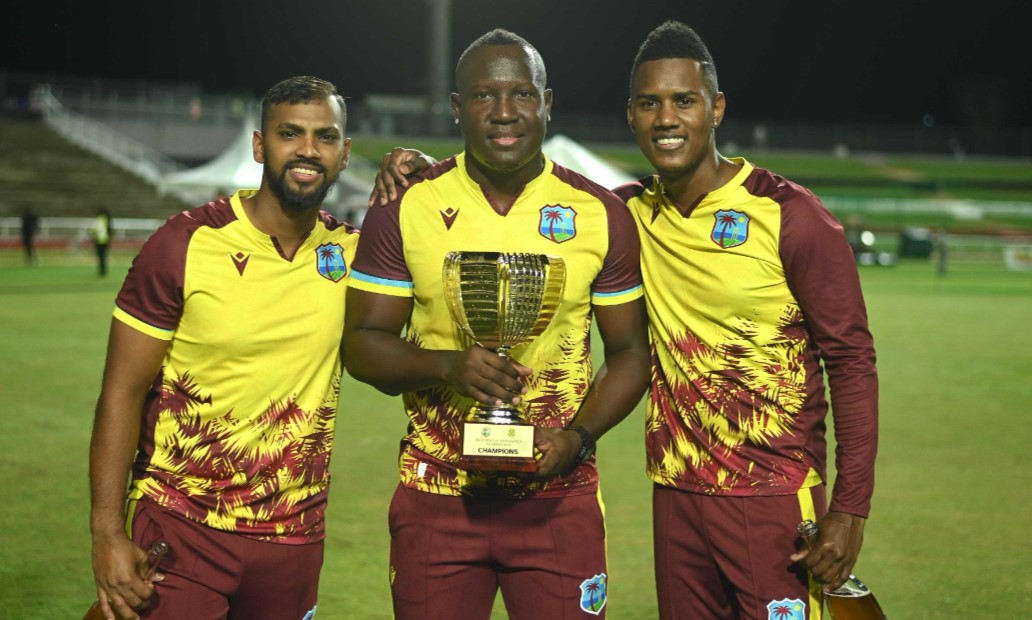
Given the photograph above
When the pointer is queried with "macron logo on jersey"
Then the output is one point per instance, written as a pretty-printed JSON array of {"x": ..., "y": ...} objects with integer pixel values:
[
  {"x": 449, "y": 216},
  {"x": 240, "y": 261}
]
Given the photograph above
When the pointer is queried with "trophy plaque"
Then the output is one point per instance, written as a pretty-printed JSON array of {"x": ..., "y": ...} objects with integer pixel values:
[{"x": 501, "y": 301}]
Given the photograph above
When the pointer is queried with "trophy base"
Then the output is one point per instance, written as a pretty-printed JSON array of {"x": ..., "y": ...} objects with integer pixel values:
[
  {"x": 493, "y": 441},
  {"x": 498, "y": 464}
]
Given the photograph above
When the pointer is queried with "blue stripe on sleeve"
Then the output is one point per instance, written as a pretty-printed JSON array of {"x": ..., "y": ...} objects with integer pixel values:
[
  {"x": 618, "y": 293},
  {"x": 358, "y": 275}
]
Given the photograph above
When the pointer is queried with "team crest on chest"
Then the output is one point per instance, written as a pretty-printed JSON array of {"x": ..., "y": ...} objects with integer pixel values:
[
  {"x": 593, "y": 594},
  {"x": 731, "y": 229},
  {"x": 786, "y": 609},
  {"x": 558, "y": 223},
  {"x": 329, "y": 260}
]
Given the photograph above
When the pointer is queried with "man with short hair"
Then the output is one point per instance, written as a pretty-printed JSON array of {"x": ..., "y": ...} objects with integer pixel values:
[
  {"x": 222, "y": 378},
  {"x": 769, "y": 302},
  {"x": 458, "y": 535}
]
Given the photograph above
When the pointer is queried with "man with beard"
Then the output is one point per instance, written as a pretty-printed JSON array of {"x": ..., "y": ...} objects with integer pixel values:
[{"x": 221, "y": 385}]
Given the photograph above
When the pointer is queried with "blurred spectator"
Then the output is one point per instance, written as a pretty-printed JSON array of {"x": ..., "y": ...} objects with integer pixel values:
[
  {"x": 29, "y": 227},
  {"x": 759, "y": 134},
  {"x": 101, "y": 233}
]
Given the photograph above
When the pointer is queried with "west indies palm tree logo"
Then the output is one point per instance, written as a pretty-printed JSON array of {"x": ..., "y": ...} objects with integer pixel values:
[
  {"x": 593, "y": 594},
  {"x": 786, "y": 609},
  {"x": 330, "y": 262},
  {"x": 730, "y": 229},
  {"x": 557, "y": 223}
]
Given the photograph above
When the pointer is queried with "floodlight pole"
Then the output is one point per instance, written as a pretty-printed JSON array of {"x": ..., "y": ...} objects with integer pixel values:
[{"x": 439, "y": 66}]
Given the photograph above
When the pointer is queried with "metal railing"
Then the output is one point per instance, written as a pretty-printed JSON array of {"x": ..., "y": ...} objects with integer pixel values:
[
  {"x": 957, "y": 209},
  {"x": 97, "y": 138},
  {"x": 77, "y": 228}
]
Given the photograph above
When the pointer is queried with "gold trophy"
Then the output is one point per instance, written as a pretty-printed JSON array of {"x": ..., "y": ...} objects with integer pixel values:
[{"x": 501, "y": 301}]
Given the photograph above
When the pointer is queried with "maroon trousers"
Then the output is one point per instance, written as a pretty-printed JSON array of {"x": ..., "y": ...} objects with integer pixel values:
[
  {"x": 727, "y": 558},
  {"x": 216, "y": 575},
  {"x": 451, "y": 555}
]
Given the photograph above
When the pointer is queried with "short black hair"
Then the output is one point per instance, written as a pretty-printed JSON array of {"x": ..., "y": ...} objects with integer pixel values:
[
  {"x": 302, "y": 89},
  {"x": 500, "y": 36},
  {"x": 673, "y": 39}
]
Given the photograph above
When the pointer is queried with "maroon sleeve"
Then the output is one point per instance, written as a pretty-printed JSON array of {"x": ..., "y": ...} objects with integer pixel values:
[
  {"x": 822, "y": 274},
  {"x": 153, "y": 289},
  {"x": 621, "y": 269},
  {"x": 380, "y": 253}
]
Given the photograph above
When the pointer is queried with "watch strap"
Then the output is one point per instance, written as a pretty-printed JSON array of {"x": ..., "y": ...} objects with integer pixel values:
[{"x": 587, "y": 444}]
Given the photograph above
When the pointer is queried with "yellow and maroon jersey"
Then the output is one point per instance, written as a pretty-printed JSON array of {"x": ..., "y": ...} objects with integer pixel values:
[
  {"x": 749, "y": 291},
  {"x": 559, "y": 213},
  {"x": 238, "y": 426}
]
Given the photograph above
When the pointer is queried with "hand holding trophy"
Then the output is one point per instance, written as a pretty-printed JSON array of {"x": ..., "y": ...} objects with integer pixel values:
[{"x": 501, "y": 301}]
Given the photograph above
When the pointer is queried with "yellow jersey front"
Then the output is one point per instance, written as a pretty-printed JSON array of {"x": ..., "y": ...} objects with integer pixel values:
[{"x": 239, "y": 425}]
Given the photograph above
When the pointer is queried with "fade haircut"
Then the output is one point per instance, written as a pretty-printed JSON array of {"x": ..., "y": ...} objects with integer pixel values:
[
  {"x": 500, "y": 36},
  {"x": 673, "y": 39},
  {"x": 302, "y": 89}
]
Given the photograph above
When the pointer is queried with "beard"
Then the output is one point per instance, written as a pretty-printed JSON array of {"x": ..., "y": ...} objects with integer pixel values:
[{"x": 299, "y": 200}]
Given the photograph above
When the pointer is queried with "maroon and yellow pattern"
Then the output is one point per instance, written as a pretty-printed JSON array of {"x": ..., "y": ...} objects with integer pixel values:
[
  {"x": 239, "y": 425},
  {"x": 402, "y": 254},
  {"x": 752, "y": 293}
]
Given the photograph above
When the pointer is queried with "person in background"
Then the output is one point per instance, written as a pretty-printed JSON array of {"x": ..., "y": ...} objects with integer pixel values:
[
  {"x": 221, "y": 387},
  {"x": 29, "y": 228},
  {"x": 458, "y": 536},
  {"x": 101, "y": 235},
  {"x": 768, "y": 303}
]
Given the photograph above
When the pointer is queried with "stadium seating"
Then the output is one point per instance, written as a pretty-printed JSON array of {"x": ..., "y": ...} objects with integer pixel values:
[{"x": 58, "y": 179}]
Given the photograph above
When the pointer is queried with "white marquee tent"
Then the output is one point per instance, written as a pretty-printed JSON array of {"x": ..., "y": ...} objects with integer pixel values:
[{"x": 569, "y": 154}]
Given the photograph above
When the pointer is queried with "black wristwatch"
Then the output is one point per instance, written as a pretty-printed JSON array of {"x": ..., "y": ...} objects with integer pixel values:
[{"x": 587, "y": 444}]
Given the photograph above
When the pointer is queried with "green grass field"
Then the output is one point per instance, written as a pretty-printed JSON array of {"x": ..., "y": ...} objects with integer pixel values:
[{"x": 946, "y": 539}]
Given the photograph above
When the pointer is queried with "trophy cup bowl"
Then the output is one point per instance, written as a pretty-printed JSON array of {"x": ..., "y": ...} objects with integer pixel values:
[{"x": 501, "y": 301}]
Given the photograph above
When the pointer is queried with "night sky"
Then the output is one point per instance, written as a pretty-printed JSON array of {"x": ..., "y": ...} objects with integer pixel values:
[{"x": 780, "y": 60}]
